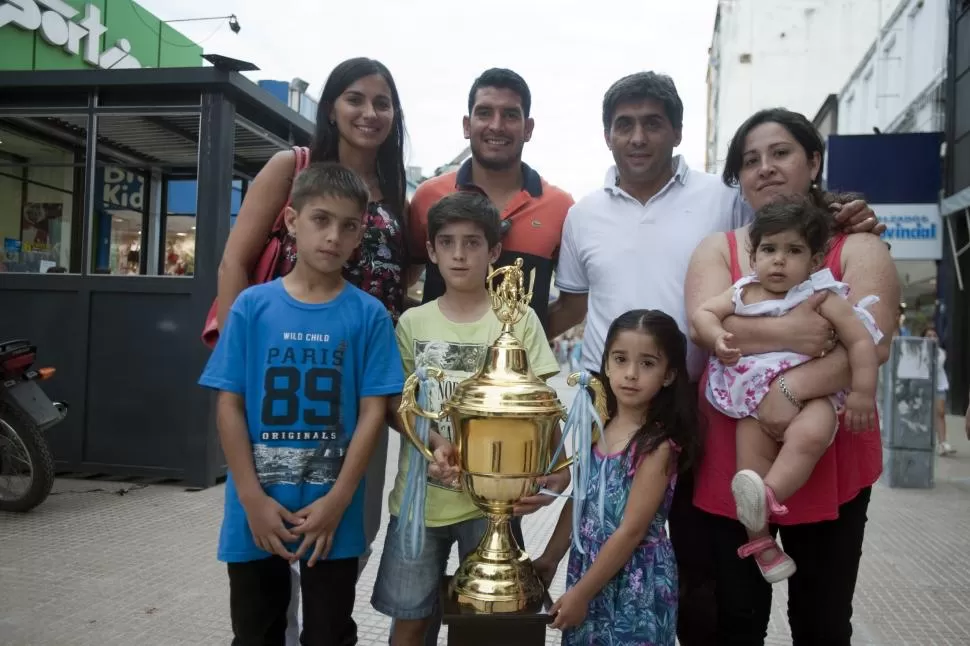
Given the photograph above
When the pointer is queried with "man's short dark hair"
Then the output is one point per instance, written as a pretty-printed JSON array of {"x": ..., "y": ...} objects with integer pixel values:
[
  {"x": 795, "y": 213},
  {"x": 465, "y": 206},
  {"x": 328, "y": 179},
  {"x": 640, "y": 87},
  {"x": 502, "y": 79}
]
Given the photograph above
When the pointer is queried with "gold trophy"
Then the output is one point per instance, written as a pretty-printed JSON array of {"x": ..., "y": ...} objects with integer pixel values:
[{"x": 504, "y": 420}]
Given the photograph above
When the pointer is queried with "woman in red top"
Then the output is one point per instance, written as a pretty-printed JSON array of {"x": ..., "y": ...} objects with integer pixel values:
[{"x": 776, "y": 153}]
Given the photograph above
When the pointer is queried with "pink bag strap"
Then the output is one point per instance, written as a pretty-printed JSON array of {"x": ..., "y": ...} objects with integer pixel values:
[{"x": 302, "y": 154}]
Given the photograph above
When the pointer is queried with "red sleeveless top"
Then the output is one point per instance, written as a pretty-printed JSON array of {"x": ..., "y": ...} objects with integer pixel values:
[{"x": 853, "y": 462}]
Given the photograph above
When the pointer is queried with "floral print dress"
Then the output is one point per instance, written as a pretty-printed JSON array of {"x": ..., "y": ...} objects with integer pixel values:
[
  {"x": 377, "y": 266},
  {"x": 638, "y": 607},
  {"x": 737, "y": 390}
]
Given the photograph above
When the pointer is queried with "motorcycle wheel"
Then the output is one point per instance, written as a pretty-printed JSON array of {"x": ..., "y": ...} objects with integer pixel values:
[{"x": 23, "y": 446}]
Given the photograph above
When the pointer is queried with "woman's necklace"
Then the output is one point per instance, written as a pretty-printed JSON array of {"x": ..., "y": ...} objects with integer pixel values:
[{"x": 374, "y": 186}]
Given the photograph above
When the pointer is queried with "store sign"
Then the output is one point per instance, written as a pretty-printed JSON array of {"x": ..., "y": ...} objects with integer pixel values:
[
  {"x": 58, "y": 24},
  {"x": 914, "y": 231},
  {"x": 123, "y": 189}
]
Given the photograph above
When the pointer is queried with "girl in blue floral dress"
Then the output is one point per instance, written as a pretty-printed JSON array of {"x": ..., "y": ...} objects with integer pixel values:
[{"x": 622, "y": 576}]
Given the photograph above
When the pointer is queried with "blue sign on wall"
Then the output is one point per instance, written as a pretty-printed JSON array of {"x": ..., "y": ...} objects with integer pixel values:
[
  {"x": 183, "y": 195},
  {"x": 279, "y": 89},
  {"x": 900, "y": 176}
]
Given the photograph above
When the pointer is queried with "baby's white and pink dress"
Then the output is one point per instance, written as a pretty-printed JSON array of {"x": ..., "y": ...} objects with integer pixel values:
[{"x": 737, "y": 390}]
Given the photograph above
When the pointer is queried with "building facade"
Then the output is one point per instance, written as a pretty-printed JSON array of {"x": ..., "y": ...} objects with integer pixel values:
[
  {"x": 766, "y": 53},
  {"x": 955, "y": 207},
  {"x": 897, "y": 86}
]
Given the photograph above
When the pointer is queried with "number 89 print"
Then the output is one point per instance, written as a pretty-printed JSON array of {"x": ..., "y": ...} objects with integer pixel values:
[{"x": 291, "y": 397}]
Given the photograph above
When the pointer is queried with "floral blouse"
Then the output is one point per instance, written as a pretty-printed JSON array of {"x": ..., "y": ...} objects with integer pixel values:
[{"x": 377, "y": 266}]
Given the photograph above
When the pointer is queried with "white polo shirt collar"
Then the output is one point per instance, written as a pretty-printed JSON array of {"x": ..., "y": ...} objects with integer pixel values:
[{"x": 681, "y": 172}]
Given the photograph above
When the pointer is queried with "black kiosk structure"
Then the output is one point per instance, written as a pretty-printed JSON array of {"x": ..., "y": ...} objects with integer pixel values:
[{"x": 92, "y": 160}]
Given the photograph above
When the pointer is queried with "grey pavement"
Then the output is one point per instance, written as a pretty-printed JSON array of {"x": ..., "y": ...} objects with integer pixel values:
[{"x": 105, "y": 563}]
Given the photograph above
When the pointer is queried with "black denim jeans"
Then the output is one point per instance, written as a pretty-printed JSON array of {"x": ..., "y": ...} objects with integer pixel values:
[{"x": 820, "y": 592}]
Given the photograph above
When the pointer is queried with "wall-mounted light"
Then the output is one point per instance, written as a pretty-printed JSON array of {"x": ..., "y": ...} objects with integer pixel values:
[{"x": 233, "y": 21}]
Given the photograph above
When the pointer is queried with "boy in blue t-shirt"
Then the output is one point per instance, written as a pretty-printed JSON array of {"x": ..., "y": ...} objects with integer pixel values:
[{"x": 304, "y": 367}]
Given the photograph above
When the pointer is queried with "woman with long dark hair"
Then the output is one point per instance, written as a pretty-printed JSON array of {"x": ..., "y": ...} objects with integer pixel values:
[
  {"x": 360, "y": 125},
  {"x": 775, "y": 154}
]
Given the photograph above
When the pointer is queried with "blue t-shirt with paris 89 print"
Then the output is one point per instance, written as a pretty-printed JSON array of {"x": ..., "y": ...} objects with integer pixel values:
[{"x": 302, "y": 369}]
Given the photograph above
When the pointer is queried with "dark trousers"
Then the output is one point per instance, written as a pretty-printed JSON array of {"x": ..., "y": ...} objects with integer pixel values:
[
  {"x": 820, "y": 593},
  {"x": 690, "y": 536},
  {"x": 259, "y": 593}
]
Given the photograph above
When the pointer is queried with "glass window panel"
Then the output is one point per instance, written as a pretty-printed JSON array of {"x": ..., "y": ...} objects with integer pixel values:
[
  {"x": 145, "y": 215},
  {"x": 40, "y": 194},
  {"x": 120, "y": 214},
  {"x": 180, "y": 221},
  {"x": 179, "y": 245}
]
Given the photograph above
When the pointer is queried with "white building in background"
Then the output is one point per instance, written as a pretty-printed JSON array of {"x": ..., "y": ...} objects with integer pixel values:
[
  {"x": 790, "y": 53},
  {"x": 898, "y": 84},
  {"x": 455, "y": 163}
]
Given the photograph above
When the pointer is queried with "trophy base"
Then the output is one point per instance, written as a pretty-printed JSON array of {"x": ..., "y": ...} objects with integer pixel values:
[
  {"x": 488, "y": 586},
  {"x": 468, "y": 627},
  {"x": 498, "y": 577}
]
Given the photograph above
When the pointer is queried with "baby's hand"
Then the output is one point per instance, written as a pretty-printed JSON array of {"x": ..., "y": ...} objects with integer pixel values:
[
  {"x": 723, "y": 350},
  {"x": 860, "y": 412},
  {"x": 445, "y": 467}
]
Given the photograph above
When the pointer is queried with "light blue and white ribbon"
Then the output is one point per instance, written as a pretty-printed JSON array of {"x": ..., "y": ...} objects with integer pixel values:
[
  {"x": 411, "y": 521},
  {"x": 579, "y": 425}
]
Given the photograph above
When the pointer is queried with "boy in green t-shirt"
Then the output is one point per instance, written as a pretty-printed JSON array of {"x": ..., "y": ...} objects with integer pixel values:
[{"x": 451, "y": 333}]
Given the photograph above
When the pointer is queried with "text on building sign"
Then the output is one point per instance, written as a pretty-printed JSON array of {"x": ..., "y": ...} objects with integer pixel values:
[{"x": 55, "y": 20}]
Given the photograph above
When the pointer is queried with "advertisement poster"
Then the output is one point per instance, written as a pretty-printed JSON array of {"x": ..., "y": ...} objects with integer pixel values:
[{"x": 40, "y": 230}]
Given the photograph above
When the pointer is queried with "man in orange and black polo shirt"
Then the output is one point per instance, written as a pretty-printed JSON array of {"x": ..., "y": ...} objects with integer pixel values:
[{"x": 497, "y": 126}]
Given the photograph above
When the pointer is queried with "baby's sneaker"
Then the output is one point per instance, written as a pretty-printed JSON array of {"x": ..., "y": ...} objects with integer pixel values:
[
  {"x": 774, "y": 564},
  {"x": 754, "y": 500}
]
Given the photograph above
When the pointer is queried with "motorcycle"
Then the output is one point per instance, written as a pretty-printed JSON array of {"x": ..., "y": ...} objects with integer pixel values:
[{"x": 25, "y": 414}]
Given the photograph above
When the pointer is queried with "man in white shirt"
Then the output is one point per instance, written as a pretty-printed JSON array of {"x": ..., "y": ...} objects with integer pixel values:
[{"x": 627, "y": 246}]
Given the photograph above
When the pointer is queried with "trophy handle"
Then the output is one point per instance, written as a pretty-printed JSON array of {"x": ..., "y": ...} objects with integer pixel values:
[
  {"x": 409, "y": 406},
  {"x": 599, "y": 403},
  {"x": 599, "y": 399}
]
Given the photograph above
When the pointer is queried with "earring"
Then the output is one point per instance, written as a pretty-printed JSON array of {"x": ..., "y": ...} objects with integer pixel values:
[
  {"x": 333, "y": 122},
  {"x": 813, "y": 187}
]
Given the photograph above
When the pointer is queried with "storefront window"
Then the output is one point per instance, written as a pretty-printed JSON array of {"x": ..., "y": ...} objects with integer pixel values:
[
  {"x": 41, "y": 175},
  {"x": 145, "y": 210},
  {"x": 180, "y": 222},
  {"x": 180, "y": 246}
]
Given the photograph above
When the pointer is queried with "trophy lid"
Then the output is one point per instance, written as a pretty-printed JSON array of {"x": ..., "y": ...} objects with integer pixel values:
[{"x": 505, "y": 385}]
